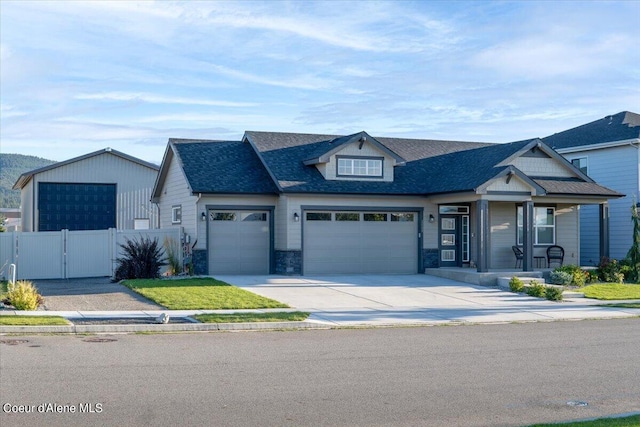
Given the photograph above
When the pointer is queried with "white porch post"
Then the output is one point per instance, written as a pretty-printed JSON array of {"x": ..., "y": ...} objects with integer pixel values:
[{"x": 527, "y": 235}]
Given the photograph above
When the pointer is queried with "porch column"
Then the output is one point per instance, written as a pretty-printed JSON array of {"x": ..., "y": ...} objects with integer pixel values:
[
  {"x": 604, "y": 230},
  {"x": 482, "y": 228},
  {"x": 527, "y": 235}
]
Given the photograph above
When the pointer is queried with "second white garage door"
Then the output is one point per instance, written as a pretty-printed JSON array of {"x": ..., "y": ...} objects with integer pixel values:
[
  {"x": 360, "y": 242},
  {"x": 239, "y": 242}
]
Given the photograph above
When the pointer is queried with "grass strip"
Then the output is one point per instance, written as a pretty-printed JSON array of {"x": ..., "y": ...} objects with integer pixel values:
[
  {"x": 611, "y": 291},
  {"x": 10, "y": 320},
  {"x": 632, "y": 421},
  {"x": 199, "y": 294},
  {"x": 294, "y": 316}
]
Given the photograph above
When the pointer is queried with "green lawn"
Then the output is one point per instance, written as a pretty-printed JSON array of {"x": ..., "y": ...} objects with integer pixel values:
[
  {"x": 199, "y": 294},
  {"x": 32, "y": 320},
  {"x": 294, "y": 316},
  {"x": 633, "y": 421},
  {"x": 611, "y": 291}
]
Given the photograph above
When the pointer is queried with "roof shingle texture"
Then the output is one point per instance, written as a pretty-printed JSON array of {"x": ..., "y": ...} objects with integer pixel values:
[
  {"x": 223, "y": 167},
  {"x": 619, "y": 127},
  {"x": 432, "y": 166}
]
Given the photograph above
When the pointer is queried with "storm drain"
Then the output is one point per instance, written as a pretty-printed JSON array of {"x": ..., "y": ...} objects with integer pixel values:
[
  {"x": 99, "y": 339},
  {"x": 13, "y": 341}
]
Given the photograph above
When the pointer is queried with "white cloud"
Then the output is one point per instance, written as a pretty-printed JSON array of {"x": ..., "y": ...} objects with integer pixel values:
[{"x": 159, "y": 99}]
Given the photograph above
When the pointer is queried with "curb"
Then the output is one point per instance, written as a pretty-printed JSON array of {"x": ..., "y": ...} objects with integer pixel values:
[{"x": 175, "y": 327}]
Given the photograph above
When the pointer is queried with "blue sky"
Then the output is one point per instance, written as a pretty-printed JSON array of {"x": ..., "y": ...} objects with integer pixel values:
[{"x": 80, "y": 76}]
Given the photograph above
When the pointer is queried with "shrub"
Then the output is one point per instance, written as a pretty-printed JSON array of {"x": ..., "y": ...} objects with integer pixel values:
[
  {"x": 610, "y": 270},
  {"x": 553, "y": 294},
  {"x": 516, "y": 284},
  {"x": 561, "y": 278},
  {"x": 171, "y": 248},
  {"x": 142, "y": 259},
  {"x": 578, "y": 276},
  {"x": 536, "y": 289},
  {"x": 24, "y": 296}
]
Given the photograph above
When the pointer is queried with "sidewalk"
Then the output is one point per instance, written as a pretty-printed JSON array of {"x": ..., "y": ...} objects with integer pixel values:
[
  {"x": 333, "y": 301},
  {"x": 531, "y": 311}
]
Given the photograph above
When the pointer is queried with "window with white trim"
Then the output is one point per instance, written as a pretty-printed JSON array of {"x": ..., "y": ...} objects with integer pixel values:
[
  {"x": 176, "y": 214},
  {"x": 544, "y": 226},
  {"x": 348, "y": 166}
]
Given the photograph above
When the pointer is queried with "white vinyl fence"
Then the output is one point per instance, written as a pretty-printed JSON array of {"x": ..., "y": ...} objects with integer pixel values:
[{"x": 69, "y": 254}]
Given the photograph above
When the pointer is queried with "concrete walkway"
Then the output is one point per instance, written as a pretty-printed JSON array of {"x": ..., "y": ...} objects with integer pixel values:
[{"x": 340, "y": 301}]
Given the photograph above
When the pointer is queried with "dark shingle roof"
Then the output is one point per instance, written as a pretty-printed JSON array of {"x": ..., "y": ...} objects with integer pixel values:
[
  {"x": 570, "y": 187},
  {"x": 431, "y": 166},
  {"x": 222, "y": 167},
  {"x": 619, "y": 127}
]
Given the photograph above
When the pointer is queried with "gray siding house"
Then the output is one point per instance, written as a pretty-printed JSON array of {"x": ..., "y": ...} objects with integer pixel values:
[
  {"x": 285, "y": 203},
  {"x": 99, "y": 190},
  {"x": 607, "y": 150}
]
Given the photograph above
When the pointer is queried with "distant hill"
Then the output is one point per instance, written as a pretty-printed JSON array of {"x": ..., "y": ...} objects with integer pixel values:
[{"x": 11, "y": 167}]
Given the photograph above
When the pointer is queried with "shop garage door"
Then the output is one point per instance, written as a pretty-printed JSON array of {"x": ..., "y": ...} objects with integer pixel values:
[
  {"x": 76, "y": 206},
  {"x": 360, "y": 242},
  {"x": 239, "y": 242}
]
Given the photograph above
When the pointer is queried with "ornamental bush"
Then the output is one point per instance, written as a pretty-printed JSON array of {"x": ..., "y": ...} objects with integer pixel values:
[
  {"x": 536, "y": 289},
  {"x": 142, "y": 259},
  {"x": 561, "y": 278},
  {"x": 516, "y": 284},
  {"x": 553, "y": 294},
  {"x": 23, "y": 295}
]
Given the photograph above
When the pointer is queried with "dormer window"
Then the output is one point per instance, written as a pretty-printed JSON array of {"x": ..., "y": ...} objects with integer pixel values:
[{"x": 360, "y": 166}]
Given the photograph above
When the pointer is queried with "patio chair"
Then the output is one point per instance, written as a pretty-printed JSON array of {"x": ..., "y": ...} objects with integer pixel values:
[
  {"x": 519, "y": 255},
  {"x": 555, "y": 253}
]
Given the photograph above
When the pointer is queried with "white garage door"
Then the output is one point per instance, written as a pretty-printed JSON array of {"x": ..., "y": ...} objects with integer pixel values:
[
  {"x": 239, "y": 242},
  {"x": 360, "y": 242}
]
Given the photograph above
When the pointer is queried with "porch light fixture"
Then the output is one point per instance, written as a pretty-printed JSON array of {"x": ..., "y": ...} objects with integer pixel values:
[
  {"x": 296, "y": 217},
  {"x": 203, "y": 217},
  {"x": 431, "y": 218}
]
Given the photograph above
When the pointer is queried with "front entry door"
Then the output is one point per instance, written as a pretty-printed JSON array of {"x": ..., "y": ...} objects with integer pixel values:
[{"x": 450, "y": 239}]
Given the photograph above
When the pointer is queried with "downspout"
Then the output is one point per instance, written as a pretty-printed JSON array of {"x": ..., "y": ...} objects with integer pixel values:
[{"x": 197, "y": 218}]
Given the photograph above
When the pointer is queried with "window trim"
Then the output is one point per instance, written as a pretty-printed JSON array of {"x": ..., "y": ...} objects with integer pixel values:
[
  {"x": 366, "y": 175},
  {"x": 519, "y": 226},
  {"x": 176, "y": 214}
]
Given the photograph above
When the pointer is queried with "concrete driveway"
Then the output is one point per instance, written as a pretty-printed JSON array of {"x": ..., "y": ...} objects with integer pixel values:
[{"x": 410, "y": 299}]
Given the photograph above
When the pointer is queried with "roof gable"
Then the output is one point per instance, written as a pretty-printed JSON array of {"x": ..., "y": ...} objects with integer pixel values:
[
  {"x": 27, "y": 176},
  {"x": 336, "y": 145},
  {"x": 210, "y": 166}
]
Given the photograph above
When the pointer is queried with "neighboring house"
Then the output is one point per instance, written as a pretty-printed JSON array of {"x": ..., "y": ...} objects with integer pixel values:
[
  {"x": 11, "y": 218},
  {"x": 100, "y": 190},
  {"x": 607, "y": 150},
  {"x": 318, "y": 204}
]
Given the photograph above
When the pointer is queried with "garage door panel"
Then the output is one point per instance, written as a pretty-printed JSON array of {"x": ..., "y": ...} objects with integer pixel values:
[
  {"x": 376, "y": 246},
  {"x": 239, "y": 244}
]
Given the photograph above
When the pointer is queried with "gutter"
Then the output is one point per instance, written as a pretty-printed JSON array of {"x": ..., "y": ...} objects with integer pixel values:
[{"x": 633, "y": 141}]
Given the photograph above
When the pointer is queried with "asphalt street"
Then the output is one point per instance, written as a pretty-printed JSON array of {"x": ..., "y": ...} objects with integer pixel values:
[{"x": 480, "y": 375}]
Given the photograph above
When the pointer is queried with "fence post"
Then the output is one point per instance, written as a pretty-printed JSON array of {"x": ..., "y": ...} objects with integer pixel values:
[
  {"x": 63, "y": 239},
  {"x": 113, "y": 241}
]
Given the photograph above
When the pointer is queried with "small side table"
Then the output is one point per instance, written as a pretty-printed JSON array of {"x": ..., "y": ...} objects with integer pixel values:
[{"x": 540, "y": 261}]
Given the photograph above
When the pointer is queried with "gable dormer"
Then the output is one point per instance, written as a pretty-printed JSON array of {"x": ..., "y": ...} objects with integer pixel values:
[
  {"x": 538, "y": 160},
  {"x": 357, "y": 157}
]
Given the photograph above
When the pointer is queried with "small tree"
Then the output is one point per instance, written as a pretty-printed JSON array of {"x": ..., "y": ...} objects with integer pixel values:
[
  {"x": 634, "y": 252},
  {"x": 3, "y": 221}
]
